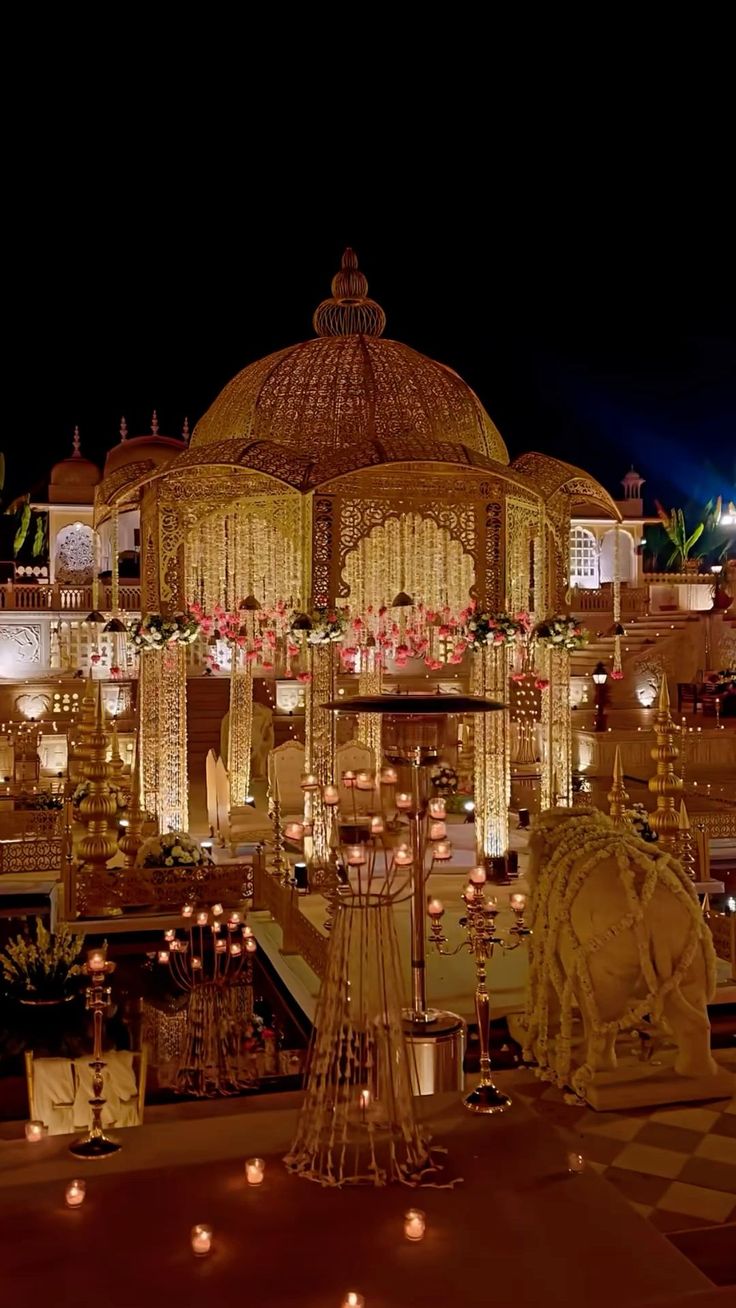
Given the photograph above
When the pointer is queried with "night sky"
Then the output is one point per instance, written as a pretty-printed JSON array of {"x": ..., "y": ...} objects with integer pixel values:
[{"x": 583, "y": 286}]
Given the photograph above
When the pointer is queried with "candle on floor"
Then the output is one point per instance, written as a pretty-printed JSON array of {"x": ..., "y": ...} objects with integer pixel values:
[
  {"x": 254, "y": 1170},
  {"x": 201, "y": 1238},
  {"x": 353, "y": 1300},
  {"x": 74, "y": 1193},
  {"x": 415, "y": 1224},
  {"x": 575, "y": 1163},
  {"x": 35, "y": 1131}
]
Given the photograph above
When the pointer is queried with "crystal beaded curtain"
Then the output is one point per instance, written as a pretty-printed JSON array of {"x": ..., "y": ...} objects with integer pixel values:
[
  {"x": 409, "y": 554},
  {"x": 252, "y": 549}
]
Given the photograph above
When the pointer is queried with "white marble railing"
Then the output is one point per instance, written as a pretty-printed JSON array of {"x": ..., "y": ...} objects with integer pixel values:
[{"x": 60, "y": 598}]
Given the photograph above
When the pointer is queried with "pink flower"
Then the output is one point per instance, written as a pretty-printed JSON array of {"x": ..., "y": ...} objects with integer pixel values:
[
  {"x": 517, "y": 676},
  {"x": 616, "y": 675},
  {"x": 541, "y": 683},
  {"x": 304, "y": 677}
]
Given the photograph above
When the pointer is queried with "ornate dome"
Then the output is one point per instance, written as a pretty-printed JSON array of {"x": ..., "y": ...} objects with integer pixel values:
[
  {"x": 73, "y": 480},
  {"x": 350, "y": 387},
  {"x": 154, "y": 448}
]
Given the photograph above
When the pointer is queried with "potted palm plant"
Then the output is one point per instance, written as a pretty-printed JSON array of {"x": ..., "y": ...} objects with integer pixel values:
[{"x": 682, "y": 542}]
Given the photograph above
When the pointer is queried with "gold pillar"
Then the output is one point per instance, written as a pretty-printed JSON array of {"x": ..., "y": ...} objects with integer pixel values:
[
  {"x": 240, "y": 729},
  {"x": 173, "y": 805},
  {"x": 617, "y": 796},
  {"x": 370, "y": 682},
  {"x": 491, "y": 754},
  {"x": 151, "y": 709},
  {"x": 97, "y": 809},
  {"x": 665, "y": 784},
  {"x": 557, "y": 766},
  {"x": 542, "y": 661},
  {"x": 320, "y": 734}
]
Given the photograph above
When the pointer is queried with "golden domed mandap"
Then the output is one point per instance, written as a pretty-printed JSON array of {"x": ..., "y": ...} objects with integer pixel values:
[{"x": 349, "y": 472}]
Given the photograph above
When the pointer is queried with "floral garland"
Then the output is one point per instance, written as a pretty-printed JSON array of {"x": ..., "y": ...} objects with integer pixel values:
[
  {"x": 173, "y": 849},
  {"x": 484, "y": 628},
  {"x": 573, "y": 849},
  {"x": 561, "y": 632},
  {"x": 153, "y": 631},
  {"x": 322, "y": 627}
]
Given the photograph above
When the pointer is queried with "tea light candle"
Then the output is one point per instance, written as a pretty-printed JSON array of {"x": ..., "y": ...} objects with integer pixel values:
[
  {"x": 196, "y": 963},
  {"x": 254, "y": 1170},
  {"x": 377, "y": 827},
  {"x": 348, "y": 780},
  {"x": 74, "y": 1193},
  {"x": 169, "y": 935},
  {"x": 575, "y": 1163},
  {"x": 415, "y": 1224},
  {"x": 353, "y": 1300},
  {"x": 437, "y": 809},
  {"x": 217, "y": 910},
  {"x": 96, "y": 960},
  {"x": 163, "y": 955},
  {"x": 437, "y": 830},
  {"x": 250, "y": 945},
  {"x": 235, "y": 949},
  {"x": 220, "y": 946},
  {"x": 247, "y": 932},
  {"x": 443, "y": 851},
  {"x": 310, "y": 781},
  {"x": 435, "y": 908},
  {"x": 403, "y": 856},
  {"x": 403, "y": 801},
  {"x": 356, "y": 855},
  {"x": 477, "y": 876},
  {"x": 364, "y": 781},
  {"x": 202, "y": 919},
  {"x": 389, "y": 777},
  {"x": 234, "y": 919},
  {"x": 35, "y": 1131},
  {"x": 187, "y": 910},
  {"x": 331, "y": 795},
  {"x": 201, "y": 1238},
  {"x": 294, "y": 830}
]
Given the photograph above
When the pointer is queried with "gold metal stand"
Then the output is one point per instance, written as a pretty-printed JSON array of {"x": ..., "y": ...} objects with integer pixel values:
[{"x": 96, "y": 1144}]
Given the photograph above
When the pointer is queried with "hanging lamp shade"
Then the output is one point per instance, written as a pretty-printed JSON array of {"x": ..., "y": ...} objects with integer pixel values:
[
  {"x": 402, "y": 601},
  {"x": 95, "y": 617},
  {"x": 114, "y": 627}
]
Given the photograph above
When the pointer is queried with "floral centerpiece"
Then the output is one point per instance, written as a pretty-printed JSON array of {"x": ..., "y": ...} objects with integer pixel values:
[
  {"x": 485, "y": 628},
  {"x": 321, "y": 627},
  {"x": 154, "y": 631},
  {"x": 172, "y": 849},
  {"x": 444, "y": 779},
  {"x": 561, "y": 632},
  {"x": 43, "y": 970}
]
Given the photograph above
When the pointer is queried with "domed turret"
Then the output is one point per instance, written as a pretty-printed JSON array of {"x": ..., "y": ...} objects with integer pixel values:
[
  {"x": 154, "y": 448},
  {"x": 73, "y": 480}
]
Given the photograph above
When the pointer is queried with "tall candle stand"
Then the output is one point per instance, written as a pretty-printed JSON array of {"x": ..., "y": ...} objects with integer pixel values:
[
  {"x": 95, "y": 1144},
  {"x": 479, "y": 924},
  {"x": 212, "y": 956}
]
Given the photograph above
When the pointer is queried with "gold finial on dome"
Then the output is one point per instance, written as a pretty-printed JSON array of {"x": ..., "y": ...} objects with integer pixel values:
[
  {"x": 349, "y": 311},
  {"x": 154, "y": 423},
  {"x": 185, "y": 431},
  {"x": 123, "y": 430},
  {"x": 76, "y": 450}
]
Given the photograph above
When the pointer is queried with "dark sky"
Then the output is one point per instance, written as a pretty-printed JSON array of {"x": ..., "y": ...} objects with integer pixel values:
[{"x": 577, "y": 268}]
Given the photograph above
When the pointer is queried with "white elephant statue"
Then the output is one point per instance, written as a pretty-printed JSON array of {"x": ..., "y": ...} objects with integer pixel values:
[{"x": 618, "y": 933}]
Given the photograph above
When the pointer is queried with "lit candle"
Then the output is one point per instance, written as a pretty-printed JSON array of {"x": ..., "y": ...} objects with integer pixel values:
[
  {"x": 477, "y": 876},
  {"x": 187, "y": 910},
  {"x": 247, "y": 931},
  {"x": 353, "y": 1300},
  {"x": 356, "y": 855},
  {"x": 403, "y": 856},
  {"x": 364, "y": 781},
  {"x": 518, "y": 903},
  {"x": 74, "y": 1193},
  {"x": 437, "y": 830},
  {"x": 35, "y": 1131},
  {"x": 310, "y": 781},
  {"x": 250, "y": 945},
  {"x": 389, "y": 777},
  {"x": 443, "y": 851},
  {"x": 437, "y": 809},
  {"x": 96, "y": 960},
  {"x": 348, "y": 780},
  {"x": 217, "y": 910},
  {"x": 575, "y": 1163},
  {"x": 415, "y": 1224},
  {"x": 163, "y": 955},
  {"x": 201, "y": 1239},
  {"x": 196, "y": 963},
  {"x": 220, "y": 946},
  {"x": 435, "y": 908},
  {"x": 403, "y": 801},
  {"x": 169, "y": 935},
  {"x": 235, "y": 948},
  {"x": 364, "y": 1101},
  {"x": 331, "y": 795},
  {"x": 254, "y": 1170},
  {"x": 377, "y": 827},
  {"x": 294, "y": 830},
  {"x": 234, "y": 920}
]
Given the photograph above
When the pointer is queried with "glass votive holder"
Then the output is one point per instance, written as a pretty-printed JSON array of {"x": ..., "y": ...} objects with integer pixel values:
[
  {"x": 437, "y": 809},
  {"x": 477, "y": 876},
  {"x": 250, "y": 945},
  {"x": 96, "y": 960},
  {"x": 310, "y": 781},
  {"x": 35, "y": 1131},
  {"x": 196, "y": 963},
  {"x": 220, "y": 946},
  {"x": 169, "y": 935},
  {"x": 163, "y": 955},
  {"x": 202, "y": 919},
  {"x": 437, "y": 830},
  {"x": 236, "y": 949},
  {"x": 201, "y": 1238},
  {"x": 353, "y": 1300},
  {"x": 415, "y": 1224},
  {"x": 294, "y": 830},
  {"x": 403, "y": 801},
  {"x": 403, "y": 856},
  {"x": 217, "y": 910},
  {"x": 254, "y": 1171},
  {"x": 435, "y": 908},
  {"x": 575, "y": 1163},
  {"x": 377, "y": 826},
  {"x": 443, "y": 851},
  {"x": 364, "y": 781},
  {"x": 331, "y": 795},
  {"x": 75, "y": 1193},
  {"x": 389, "y": 777},
  {"x": 187, "y": 910},
  {"x": 356, "y": 855}
]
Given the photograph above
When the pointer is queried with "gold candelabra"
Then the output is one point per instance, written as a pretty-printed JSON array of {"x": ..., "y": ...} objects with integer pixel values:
[
  {"x": 95, "y": 1144},
  {"x": 481, "y": 937},
  {"x": 666, "y": 785},
  {"x": 617, "y": 796}
]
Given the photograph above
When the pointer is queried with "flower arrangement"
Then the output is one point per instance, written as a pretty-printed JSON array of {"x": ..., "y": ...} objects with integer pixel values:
[
  {"x": 44, "y": 968},
  {"x": 321, "y": 627},
  {"x": 153, "y": 631},
  {"x": 173, "y": 849},
  {"x": 444, "y": 779},
  {"x": 42, "y": 801},
  {"x": 485, "y": 628},
  {"x": 638, "y": 820},
  {"x": 561, "y": 632}
]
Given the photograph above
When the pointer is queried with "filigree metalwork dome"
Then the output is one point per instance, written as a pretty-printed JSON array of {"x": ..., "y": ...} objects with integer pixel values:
[{"x": 349, "y": 387}]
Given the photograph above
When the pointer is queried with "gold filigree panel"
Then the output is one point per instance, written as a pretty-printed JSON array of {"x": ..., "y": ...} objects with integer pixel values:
[{"x": 411, "y": 552}]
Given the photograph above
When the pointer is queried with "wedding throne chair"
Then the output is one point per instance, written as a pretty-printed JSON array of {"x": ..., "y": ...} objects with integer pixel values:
[{"x": 59, "y": 1090}]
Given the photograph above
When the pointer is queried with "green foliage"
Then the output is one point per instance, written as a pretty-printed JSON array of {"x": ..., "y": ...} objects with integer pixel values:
[
  {"x": 20, "y": 535},
  {"x": 39, "y": 539},
  {"x": 676, "y": 529}
]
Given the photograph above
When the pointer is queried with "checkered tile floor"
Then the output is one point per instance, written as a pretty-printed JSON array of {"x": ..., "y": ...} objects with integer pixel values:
[{"x": 676, "y": 1166}]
